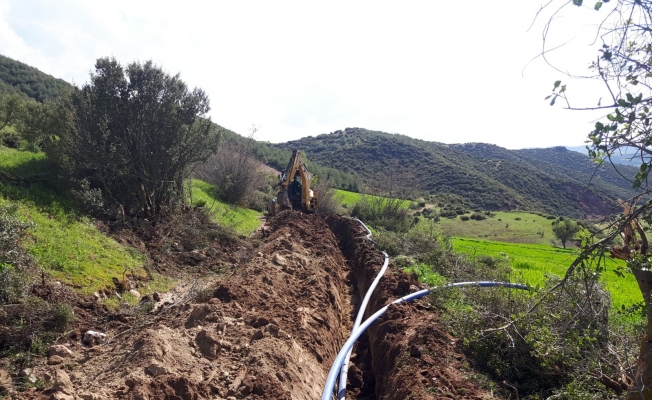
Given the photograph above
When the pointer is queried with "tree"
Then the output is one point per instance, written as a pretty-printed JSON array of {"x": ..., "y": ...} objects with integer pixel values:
[
  {"x": 10, "y": 110},
  {"x": 132, "y": 132},
  {"x": 623, "y": 65},
  {"x": 386, "y": 203},
  {"x": 234, "y": 170},
  {"x": 564, "y": 229}
]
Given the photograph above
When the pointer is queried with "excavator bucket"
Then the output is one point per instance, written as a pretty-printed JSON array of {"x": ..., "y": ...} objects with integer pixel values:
[{"x": 281, "y": 203}]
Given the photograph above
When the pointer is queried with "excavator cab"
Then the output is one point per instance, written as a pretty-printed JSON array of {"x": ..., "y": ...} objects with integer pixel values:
[{"x": 294, "y": 188}]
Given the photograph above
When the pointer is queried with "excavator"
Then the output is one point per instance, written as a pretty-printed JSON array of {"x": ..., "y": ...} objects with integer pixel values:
[{"x": 294, "y": 194}]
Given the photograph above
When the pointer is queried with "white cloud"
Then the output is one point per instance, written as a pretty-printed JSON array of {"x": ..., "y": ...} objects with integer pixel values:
[{"x": 439, "y": 71}]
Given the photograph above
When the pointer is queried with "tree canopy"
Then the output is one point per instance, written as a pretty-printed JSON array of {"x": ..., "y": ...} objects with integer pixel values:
[
  {"x": 133, "y": 133},
  {"x": 624, "y": 66}
]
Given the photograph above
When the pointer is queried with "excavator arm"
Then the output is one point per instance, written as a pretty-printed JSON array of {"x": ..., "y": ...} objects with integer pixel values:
[{"x": 308, "y": 196}]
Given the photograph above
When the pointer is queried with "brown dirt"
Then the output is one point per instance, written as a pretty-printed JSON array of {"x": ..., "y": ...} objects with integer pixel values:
[{"x": 270, "y": 329}]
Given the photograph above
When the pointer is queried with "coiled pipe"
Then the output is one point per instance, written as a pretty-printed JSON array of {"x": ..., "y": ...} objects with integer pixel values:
[{"x": 348, "y": 345}]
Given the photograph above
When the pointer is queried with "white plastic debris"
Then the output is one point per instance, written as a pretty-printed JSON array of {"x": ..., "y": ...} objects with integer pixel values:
[{"x": 92, "y": 337}]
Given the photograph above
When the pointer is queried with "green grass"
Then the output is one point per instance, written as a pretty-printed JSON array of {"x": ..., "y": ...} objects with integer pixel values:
[
  {"x": 67, "y": 247},
  {"x": 348, "y": 199},
  {"x": 426, "y": 274},
  {"x": 504, "y": 227},
  {"x": 244, "y": 221},
  {"x": 533, "y": 261},
  {"x": 22, "y": 163}
]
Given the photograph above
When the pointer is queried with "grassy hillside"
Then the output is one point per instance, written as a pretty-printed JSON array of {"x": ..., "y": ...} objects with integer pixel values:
[
  {"x": 67, "y": 247},
  {"x": 16, "y": 77},
  {"x": 242, "y": 220},
  {"x": 488, "y": 176}
]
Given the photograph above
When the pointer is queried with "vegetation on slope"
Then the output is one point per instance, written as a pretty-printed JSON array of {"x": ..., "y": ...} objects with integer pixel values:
[
  {"x": 491, "y": 178},
  {"x": 16, "y": 77},
  {"x": 66, "y": 246}
]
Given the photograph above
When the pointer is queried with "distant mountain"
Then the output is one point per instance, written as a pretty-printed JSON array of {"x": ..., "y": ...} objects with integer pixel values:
[
  {"x": 16, "y": 77},
  {"x": 556, "y": 181},
  {"x": 624, "y": 156}
]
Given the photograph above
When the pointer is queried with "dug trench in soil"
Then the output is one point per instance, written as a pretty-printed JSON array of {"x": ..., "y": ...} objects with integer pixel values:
[
  {"x": 407, "y": 354},
  {"x": 271, "y": 330}
]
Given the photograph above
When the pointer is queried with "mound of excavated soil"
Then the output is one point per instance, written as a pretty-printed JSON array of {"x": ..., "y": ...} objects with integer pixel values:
[{"x": 271, "y": 330}]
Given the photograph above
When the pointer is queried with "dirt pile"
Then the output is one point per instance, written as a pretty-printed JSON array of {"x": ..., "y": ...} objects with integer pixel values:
[{"x": 271, "y": 330}]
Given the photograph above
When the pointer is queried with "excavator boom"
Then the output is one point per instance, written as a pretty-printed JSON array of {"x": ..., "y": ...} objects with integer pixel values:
[{"x": 288, "y": 198}]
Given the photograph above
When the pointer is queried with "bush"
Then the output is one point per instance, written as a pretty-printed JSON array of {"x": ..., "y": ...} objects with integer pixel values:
[
  {"x": 477, "y": 216},
  {"x": 62, "y": 316},
  {"x": 136, "y": 147},
  {"x": 235, "y": 172},
  {"x": 15, "y": 283},
  {"x": 465, "y": 218},
  {"x": 328, "y": 202},
  {"x": 549, "y": 351}
]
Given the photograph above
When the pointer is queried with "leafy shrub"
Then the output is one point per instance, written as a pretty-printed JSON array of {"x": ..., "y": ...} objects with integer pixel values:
[
  {"x": 62, "y": 316},
  {"x": 545, "y": 351},
  {"x": 517, "y": 219},
  {"x": 477, "y": 216},
  {"x": 14, "y": 281},
  {"x": 465, "y": 218},
  {"x": 234, "y": 170}
]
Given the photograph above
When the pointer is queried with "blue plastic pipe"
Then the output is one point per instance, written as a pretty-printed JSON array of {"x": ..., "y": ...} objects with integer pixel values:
[
  {"x": 332, "y": 375},
  {"x": 344, "y": 367}
]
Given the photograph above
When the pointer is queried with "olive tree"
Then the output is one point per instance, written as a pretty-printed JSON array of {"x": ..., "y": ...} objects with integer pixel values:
[
  {"x": 564, "y": 230},
  {"x": 132, "y": 132}
]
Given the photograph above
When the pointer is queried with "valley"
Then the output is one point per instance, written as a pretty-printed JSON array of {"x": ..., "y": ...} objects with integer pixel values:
[{"x": 201, "y": 297}]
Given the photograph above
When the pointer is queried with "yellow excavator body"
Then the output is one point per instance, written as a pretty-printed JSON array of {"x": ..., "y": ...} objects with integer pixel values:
[{"x": 294, "y": 195}]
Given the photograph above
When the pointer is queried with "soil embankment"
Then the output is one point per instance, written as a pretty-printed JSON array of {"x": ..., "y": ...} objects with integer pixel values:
[{"x": 271, "y": 330}]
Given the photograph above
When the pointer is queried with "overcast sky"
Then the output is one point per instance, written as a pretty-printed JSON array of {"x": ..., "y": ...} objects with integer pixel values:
[{"x": 445, "y": 71}]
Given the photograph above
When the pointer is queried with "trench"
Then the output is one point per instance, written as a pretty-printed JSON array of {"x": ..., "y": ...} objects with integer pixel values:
[
  {"x": 272, "y": 328},
  {"x": 375, "y": 355}
]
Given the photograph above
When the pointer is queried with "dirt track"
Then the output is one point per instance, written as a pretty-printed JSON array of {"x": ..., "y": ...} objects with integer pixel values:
[{"x": 271, "y": 330}]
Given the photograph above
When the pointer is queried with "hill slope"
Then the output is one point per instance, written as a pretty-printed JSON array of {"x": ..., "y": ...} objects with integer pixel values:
[
  {"x": 16, "y": 77},
  {"x": 556, "y": 180}
]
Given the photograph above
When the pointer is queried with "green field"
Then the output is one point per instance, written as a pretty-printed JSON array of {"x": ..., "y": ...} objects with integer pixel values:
[
  {"x": 348, "y": 199},
  {"x": 532, "y": 261},
  {"x": 242, "y": 220},
  {"x": 504, "y": 227}
]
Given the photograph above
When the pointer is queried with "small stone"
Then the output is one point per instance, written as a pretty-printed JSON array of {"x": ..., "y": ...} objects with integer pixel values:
[
  {"x": 55, "y": 360},
  {"x": 155, "y": 369},
  {"x": 59, "y": 350},
  {"x": 62, "y": 396},
  {"x": 132, "y": 381},
  {"x": 62, "y": 382},
  {"x": 259, "y": 254},
  {"x": 279, "y": 260},
  {"x": 97, "y": 296},
  {"x": 6, "y": 383},
  {"x": 257, "y": 335},
  {"x": 26, "y": 372},
  {"x": 76, "y": 376},
  {"x": 88, "y": 396},
  {"x": 135, "y": 293},
  {"x": 208, "y": 344},
  {"x": 31, "y": 379},
  {"x": 156, "y": 296}
]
